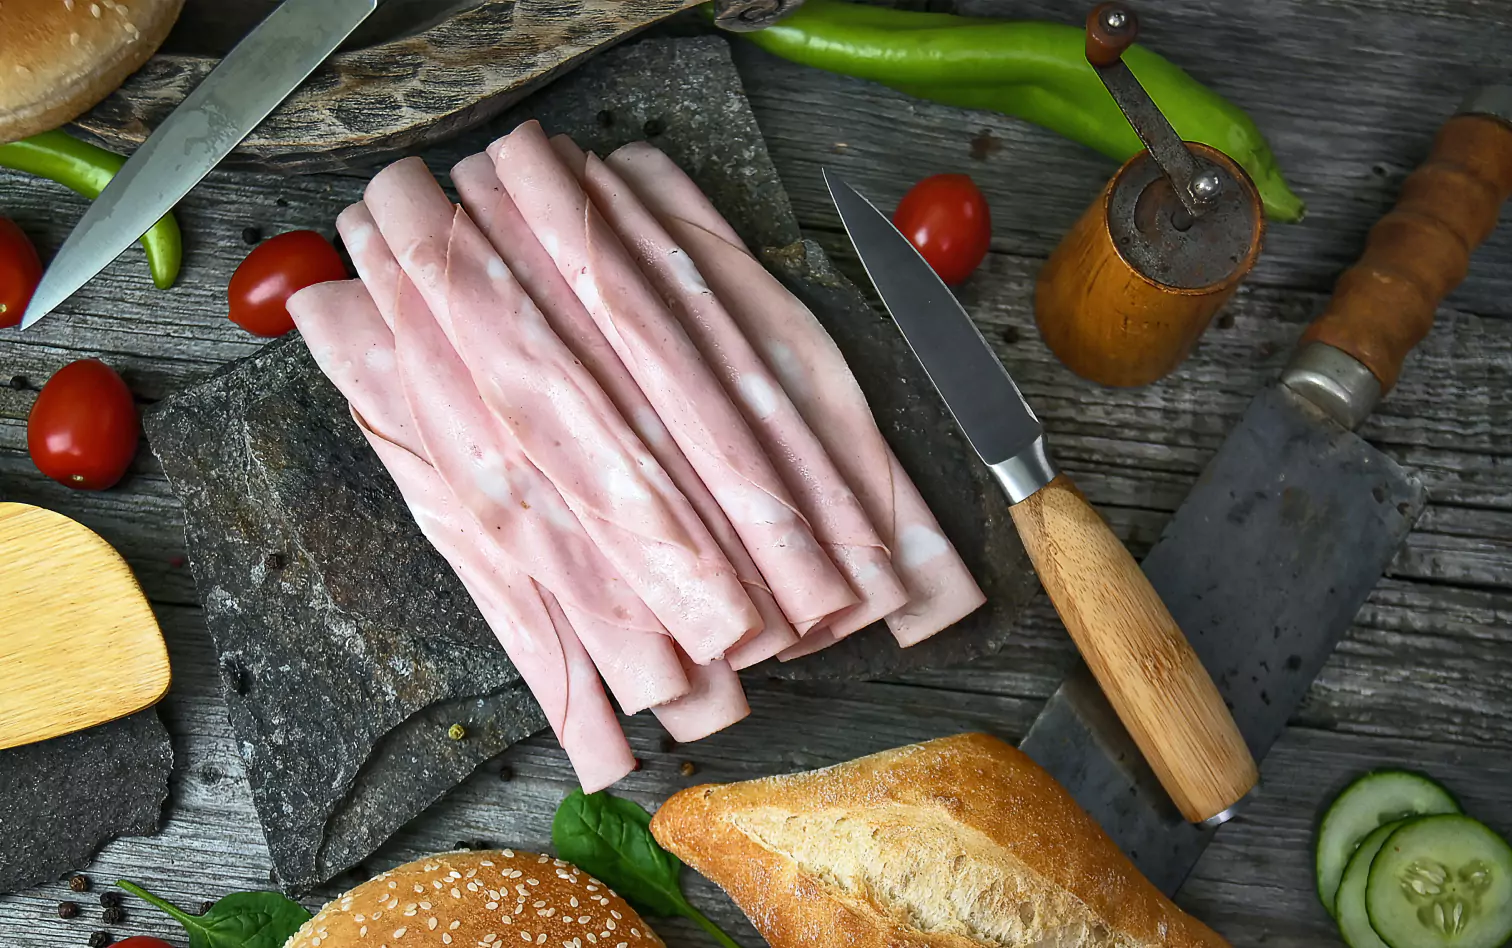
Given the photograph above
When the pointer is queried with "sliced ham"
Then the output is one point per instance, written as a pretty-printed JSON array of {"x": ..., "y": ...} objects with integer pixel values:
[
  {"x": 565, "y": 424},
  {"x": 716, "y": 701},
  {"x": 483, "y": 465},
  {"x": 813, "y": 372},
  {"x": 371, "y": 257},
  {"x": 496, "y": 215},
  {"x": 816, "y": 485},
  {"x": 354, "y": 348},
  {"x": 667, "y": 366}
]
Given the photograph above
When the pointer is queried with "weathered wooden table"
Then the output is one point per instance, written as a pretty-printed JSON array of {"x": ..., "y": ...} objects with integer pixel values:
[{"x": 1349, "y": 93}]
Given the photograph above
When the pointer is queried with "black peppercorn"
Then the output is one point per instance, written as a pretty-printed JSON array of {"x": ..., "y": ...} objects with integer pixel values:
[
  {"x": 114, "y": 915},
  {"x": 462, "y": 844},
  {"x": 20, "y": 382},
  {"x": 68, "y": 910},
  {"x": 506, "y": 773},
  {"x": 100, "y": 939},
  {"x": 605, "y": 118},
  {"x": 251, "y": 235},
  {"x": 274, "y": 561},
  {"x": 654, "y": 127},
  {"x": 206, "y": 906},
  {"x": 78, "y": 883},
  {"x": 687, "y": 768},
  {"x": 110, "y": 899}
]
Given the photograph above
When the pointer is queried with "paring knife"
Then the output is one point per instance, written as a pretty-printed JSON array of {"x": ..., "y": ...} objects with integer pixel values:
[
  {"x": 1146, "y": 667},
  {"x": 1290, "y": 526},
  {"x": 249, "y": 83}
]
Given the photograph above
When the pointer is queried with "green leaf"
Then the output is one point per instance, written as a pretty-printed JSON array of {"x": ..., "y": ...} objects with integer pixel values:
[
  {"x": 240, "y": 920},
  {"x": 610, "y": 838}
]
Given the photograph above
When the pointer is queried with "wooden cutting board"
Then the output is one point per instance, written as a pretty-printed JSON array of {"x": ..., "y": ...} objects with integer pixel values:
[
  {"x": 417, "y": 72},
  {"x": 79, "y": 644}
]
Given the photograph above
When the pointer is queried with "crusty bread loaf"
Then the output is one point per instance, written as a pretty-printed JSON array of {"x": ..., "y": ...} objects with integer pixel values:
[
  {"x": 962, "y": 842},
  {"x": 59, "y": 57},
  {"x": 496, "y": 898}
]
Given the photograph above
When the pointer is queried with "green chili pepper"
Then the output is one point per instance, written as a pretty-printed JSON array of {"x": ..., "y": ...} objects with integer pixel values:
[
  {"x": 85, "y": 168},
  {"x": 1033, "y": 70}
]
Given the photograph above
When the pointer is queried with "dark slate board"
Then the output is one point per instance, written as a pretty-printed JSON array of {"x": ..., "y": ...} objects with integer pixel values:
[
  {"x": 61, "y": 799},
  {"x": 341, "y": 682}
]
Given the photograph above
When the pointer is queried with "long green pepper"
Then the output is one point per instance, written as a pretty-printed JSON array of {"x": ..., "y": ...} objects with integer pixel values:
[
  {"x": 86, "y": 169},
  {"x": 1033, "y": 70}
]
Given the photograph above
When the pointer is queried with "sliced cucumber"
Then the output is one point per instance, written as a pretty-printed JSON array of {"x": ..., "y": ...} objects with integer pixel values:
[
  {"x": 1349, "y": 904},
  {"x": 1441, "y": 881},
  {"x": 1377, "y": 798}
]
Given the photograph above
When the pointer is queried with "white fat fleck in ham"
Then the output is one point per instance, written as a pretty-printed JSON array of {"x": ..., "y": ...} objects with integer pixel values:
[
  {"x": 815, "y": 375},
  {"x": 816, "y": 485},
  {"x": 568, "y": 428},
  {"x": 664, "y": 362},
  {"x": 495, "y": 213},
  {"x": 483, "y": 465},
  {"x": 343, "y": 327},
  {"x": 716, "y": 702}
]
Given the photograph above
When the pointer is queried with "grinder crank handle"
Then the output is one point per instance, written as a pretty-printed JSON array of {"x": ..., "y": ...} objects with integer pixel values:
[
  {"x": 1152, "y": 677},
  {"x": 1383, "y": 306}
]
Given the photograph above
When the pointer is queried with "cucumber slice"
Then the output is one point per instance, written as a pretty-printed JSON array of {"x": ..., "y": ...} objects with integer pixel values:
[
  {"x": 1349, "y": 904},
  {"x": 1376, "y": 798},
  {"x": 1441, "y": 881}
]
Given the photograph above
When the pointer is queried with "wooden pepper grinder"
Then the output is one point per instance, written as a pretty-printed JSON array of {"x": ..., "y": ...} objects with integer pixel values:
[{"x": 1124, "y": 297}]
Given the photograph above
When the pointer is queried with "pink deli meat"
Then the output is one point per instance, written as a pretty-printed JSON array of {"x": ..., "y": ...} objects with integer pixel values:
[
  {"x": 496, "y": 215},
  {"x": 814, "y": 374},
  {"x": 716, "y": 702},
  {"x": 355, "y": 350},
  {"x": 562, "y": 419},
  {"x": 815, "y": 483},
  {"x": 668, "y": 368}
]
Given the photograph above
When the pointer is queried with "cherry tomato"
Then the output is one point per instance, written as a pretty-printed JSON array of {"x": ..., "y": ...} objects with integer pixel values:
[
  {"x": 276, "y": 270},
  {"x": 142, "y": 941},
  {"x": 20, "y": 272},
  {"x": 82, "y": 431},
  {"x": 946, "y": 218}
]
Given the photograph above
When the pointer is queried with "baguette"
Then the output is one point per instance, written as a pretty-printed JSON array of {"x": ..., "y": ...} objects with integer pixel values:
[{"x": 962, "y": 842}]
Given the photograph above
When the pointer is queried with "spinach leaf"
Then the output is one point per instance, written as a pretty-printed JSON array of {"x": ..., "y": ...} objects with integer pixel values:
[
  {"x": 610, "y": 837},
  {"x": 240, "y": 920}
]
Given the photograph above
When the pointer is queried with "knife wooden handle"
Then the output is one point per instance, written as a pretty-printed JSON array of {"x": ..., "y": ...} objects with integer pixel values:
[
  {"x": 1383, "y": 306},
  {"x": 1140, "y": 657}
]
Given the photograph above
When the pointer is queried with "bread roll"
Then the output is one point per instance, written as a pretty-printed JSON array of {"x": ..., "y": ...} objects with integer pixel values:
[
  {"x": 497, "y": 898},
  {"x": 962, "y": 842},
  {"x": 59, "y": 57}
]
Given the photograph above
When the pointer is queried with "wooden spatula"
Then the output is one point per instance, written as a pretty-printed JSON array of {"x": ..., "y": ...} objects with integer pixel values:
[{"x": 79, "y": 644}]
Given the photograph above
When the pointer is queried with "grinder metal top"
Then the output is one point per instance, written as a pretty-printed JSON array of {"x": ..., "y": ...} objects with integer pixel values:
[{"x": 1184, "y": 215}]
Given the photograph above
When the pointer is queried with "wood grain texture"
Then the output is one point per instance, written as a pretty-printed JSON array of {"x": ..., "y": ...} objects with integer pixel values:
[
  {"x": 384, "y": 100},
  {"x": 80, "y": 645},
  {"x": 1134, "y": 648},
  {"x": 1383, "y": 306},
  {"x": 1109, "y": 322},
  {"x": 1349, "y": 92}
]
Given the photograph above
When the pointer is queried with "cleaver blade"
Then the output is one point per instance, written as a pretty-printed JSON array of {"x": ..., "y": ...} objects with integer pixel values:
[{"x": 1264, "y": 566}]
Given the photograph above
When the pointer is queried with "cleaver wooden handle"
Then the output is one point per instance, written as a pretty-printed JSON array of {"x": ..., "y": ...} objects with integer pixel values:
[
  {"x": 1383, "y": 306},
  {"x": 1146, "y": 667}
]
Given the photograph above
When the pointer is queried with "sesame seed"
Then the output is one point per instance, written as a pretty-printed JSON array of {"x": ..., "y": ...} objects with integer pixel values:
[
  {"x": 609, "y": 924},
  {"x": 541, "y": 938},
  {"x": 431, "y": 923},
  {"x": 437, "y": 883},
  {"x": 583, "y": 920},
  {"x": 572, "y": 901},
  {"x": 419, "y": 890},
  {"x": 543, "y": 858},
  {"x": 592, "y": 940},
  {"x": 377, "y": 915},
  {"x": 425, "y": 905},
  {"x": 362, "y": 932},
  {"x": 471, "y": 873},
  {"x": 409, "y": 912},
  {"x": 456, "y": 892},
  {"x": 541, "y": 904},
  {"x": 557, "y": 862},
  {"x": 454, "y": 874},
  {"x": 399, "y": 932},
  {"x": 532, "y": 881},
  {"x": 456, "y": 924},
  {"x": 507, "y": 919},
  {"x": 525, "y": 936},
  {"x": 635, "y": 932},
  {"x": 593, "y": 888},
  {"x": 491, "y": 905},
  {"x": 445, "y": 939},
  {"x": 615, "y": 915},
  {"x": 393, "y": 884},
  {"x": 359, "y": 917},
  {"x": 509, "y": 854},
  {"x": 94, "y": 10},
  {"x": 486, "y": 862},
  {"x": 623, "y": 944},
  {"x": 488, "y": 939}
]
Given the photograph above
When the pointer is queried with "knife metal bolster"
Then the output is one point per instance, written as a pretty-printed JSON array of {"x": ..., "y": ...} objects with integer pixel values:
[
  {"x": 1334, "y": 381},
  {"x": 1026, "y": 472}
]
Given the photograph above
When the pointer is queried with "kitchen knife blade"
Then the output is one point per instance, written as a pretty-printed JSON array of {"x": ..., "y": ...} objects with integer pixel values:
[
  {"x": 1139, "y": 656},
  {"x": 1290, "y": 525},
  {"x": 249, "y": 83}
]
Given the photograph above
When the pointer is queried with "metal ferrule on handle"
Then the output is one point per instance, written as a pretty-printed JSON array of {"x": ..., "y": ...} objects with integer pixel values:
[{"x": 1025, "y": 473}]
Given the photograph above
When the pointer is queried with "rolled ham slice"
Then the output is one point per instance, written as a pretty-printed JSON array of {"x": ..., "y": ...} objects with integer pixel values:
[
  {"x": 716, "y": 701},
  {"x": 354, "y": 348},
  {"x": 669, "y": 370},
  {"x": 374, "y": 262},
  {"x": 813, "y": 372},
  {"x": 817, "y": 486},
  {"x": 565, "y": 424},
  {"x": 496, "y": 215}
]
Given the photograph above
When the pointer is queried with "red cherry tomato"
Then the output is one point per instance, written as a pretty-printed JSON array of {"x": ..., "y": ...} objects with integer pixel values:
[
  {"x": 946, "y": 218},
  {"x": 276, "y": 270},
  {"x": 142, "y": 941},
  {"x": 82, "y": 431},
  {"x": 20, "y": 272}
]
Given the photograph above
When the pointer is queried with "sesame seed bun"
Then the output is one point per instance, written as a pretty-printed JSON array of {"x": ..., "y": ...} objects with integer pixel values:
[
  {"x": 59, "y": 57},
  {"x": 482, "y": 899}
]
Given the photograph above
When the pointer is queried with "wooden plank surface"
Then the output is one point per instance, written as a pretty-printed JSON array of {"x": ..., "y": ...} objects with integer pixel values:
[{"x": 1349, "y": 91}]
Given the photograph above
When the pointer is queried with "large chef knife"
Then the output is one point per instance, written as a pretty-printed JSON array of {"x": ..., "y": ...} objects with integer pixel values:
[
  {"x": 239, "y": 92},
  {"x": 1289, "y": 527},
  {"x": 1142, "y": 661}
]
